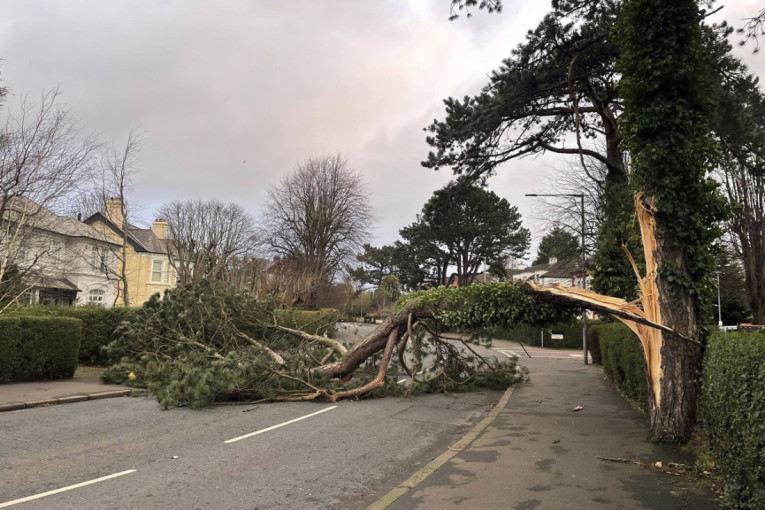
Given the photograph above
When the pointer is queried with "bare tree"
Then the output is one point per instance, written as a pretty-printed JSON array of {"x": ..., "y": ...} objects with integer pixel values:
[
  {"x": 112, "y": 181},
  {"x": 43, "y": 160},
  {"x": 316, "y": 219},
  {"x": 746, "y": 192},
  {"x": 208, "y": 238}
]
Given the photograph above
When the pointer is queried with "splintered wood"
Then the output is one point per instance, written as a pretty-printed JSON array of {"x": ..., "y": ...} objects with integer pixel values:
[{"x": 644, "y": 320}]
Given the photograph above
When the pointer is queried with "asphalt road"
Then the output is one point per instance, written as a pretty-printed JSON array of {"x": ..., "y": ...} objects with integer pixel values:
[{"x": 341, "y": 457}]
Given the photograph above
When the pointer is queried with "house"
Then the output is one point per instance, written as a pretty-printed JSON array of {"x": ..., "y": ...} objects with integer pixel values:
[
  {"x": 144, "y": 253},
  {"x": 521, "y": 272},
  {"x": 566, "y": 272},
  {"x": 57, "y": 259}
]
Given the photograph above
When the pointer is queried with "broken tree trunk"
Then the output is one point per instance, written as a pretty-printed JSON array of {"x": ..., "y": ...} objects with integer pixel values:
[
  {"x": 665, "y": 323},
  {"x": 672, "y": 363}
]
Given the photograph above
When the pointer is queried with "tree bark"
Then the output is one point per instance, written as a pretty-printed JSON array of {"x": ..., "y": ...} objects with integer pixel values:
[
  {"x": 672, "y": 364},
  {"x": 754, "y": 275},
  {"x": 370, "y": 345}
]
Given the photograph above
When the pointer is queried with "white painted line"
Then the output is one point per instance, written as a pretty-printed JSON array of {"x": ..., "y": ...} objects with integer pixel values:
[
  {"x": 277, "y": 426},
  {"x": 505, "y": 352},
  {"x": 64, "y": 489}
]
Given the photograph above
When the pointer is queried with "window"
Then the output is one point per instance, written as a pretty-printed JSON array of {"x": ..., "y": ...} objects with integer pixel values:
[
  {"x": 55, "y": 251},
  {"x": 156, "y": 271},
  {"x": 96, "y": 297},
  {"x": 21, "y": 255},
  {"x": 98, "y": 259}
]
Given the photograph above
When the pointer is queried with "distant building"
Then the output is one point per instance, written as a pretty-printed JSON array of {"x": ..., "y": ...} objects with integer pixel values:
[
  {"x": 147, "y": 253},
  {"x": 525, "y": 273},
  {"x": 59, "y": 259},
  {"x": 565, "y": 272}
]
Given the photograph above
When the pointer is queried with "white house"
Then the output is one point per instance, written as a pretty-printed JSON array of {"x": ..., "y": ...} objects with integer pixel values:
[{"x": 60, "y": 260}]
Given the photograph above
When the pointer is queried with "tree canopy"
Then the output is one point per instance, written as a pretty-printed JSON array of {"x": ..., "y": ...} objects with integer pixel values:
[
  {"x": 557, "y": 243},
  {"x": 468, "y": 227},
  {"x": 316, "y": 220}
]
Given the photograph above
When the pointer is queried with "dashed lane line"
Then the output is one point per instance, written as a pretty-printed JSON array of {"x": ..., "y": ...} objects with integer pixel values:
[
  {"x": 277, "y": 426},
  {"x": 64, "y": 489}
]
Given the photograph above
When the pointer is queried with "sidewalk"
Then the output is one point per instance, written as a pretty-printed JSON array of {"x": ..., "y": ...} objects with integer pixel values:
[
  {"x": 86, "y": 385},
  {"x": 539, "y": 454}
]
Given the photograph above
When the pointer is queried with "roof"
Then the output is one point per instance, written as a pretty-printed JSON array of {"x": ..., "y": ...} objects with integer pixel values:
[
  {"x": 43, "y": 219},
  {"x": 141, "y": 239},
  {"x": 148, "y": 239},
  {"x": 565, "y": 268},
  {"x": 53, "y": 283},
  {"x": 530, "y": 269}
]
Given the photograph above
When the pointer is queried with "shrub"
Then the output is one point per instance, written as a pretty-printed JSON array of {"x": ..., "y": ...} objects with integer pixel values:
[
  {"x": 732, "y": 413},
  {"x": 98, "y": 326},
  {"x": 532, "y": 335},
  {"x": 623, "y": 361},
  {"x": 38, "y": 348}
]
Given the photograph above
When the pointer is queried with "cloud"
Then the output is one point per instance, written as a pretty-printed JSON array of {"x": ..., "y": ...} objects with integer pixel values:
[{"x": 231, "y": 95}]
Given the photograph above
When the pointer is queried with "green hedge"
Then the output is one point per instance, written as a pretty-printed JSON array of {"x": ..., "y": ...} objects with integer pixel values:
[
  {"x": 98, "y": 326},
  {"x": 316, "y": 323},
  {"x": 34, "y": 348},
  {"x": 732, "y": 414},
  {"x": 623, "y": 360},
  {"x": 532, "y": 335}
]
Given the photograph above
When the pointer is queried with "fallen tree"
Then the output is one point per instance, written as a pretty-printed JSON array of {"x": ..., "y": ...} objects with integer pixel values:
[{"x": 206, "y": 343}]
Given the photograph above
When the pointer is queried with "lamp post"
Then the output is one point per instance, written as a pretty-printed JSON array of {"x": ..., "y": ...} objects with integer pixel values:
[
  {"x": 719, "y": 307},
  {"x": 580, "y": 196}
]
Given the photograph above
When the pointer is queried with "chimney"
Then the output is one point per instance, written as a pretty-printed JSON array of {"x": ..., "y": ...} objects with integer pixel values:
[
  {"x": 159, "y": 227},
  {"x": 114, "y": 211}
]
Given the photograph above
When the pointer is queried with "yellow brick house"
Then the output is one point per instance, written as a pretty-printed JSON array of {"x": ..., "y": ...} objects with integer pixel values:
[{"x": 147, "y": 253}]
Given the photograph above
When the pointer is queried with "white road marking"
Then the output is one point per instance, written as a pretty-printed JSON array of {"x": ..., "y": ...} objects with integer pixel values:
[
  {"x": 277, "y": 426},
  {"x": 506, "y": 351},
  {"x": 64, "y": 489}
]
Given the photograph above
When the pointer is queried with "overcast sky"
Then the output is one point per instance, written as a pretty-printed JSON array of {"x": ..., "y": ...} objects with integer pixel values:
[{"x": 231, "y": 95}]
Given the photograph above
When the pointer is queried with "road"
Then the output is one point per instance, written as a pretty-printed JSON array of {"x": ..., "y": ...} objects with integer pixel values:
[{"x": 337, "y": 456}]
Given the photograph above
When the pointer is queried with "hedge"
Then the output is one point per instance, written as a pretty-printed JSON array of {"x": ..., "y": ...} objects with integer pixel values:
[
  {"x": 320, "y": 322},
  {"x": 623, "y": 361},
  {"x": 98, "y": 325},
  {"x": 532, "y": 335},
  {"x": 34, "y": 348},
  {"x": 732, "y": 414}
]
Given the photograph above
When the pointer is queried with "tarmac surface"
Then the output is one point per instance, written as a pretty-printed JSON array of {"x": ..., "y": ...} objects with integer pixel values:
[{"x": 533, "y": 451}]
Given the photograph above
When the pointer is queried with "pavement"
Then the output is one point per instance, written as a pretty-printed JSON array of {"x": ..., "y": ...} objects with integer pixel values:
[
  {"x": 86, "y": 385},
  {"x": 535, "y": 451}
]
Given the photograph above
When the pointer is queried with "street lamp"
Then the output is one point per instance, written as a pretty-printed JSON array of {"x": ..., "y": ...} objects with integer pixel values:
[
  {"x": 580, "y": 196},
  {"x": 719, "y": 307}
]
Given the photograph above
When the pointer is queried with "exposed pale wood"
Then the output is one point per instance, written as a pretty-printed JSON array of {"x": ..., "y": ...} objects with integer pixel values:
[
  {"x": 321, "y": 340},
  {"x": 644, "y": 320},
  {"x": 651, "y": 339}
]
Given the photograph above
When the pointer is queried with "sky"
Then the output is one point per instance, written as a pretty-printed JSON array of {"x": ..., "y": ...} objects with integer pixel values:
[{"x": 230, "y": 96}]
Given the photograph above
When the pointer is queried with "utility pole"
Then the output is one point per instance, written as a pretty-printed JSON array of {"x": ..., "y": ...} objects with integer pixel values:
[{"x": 580, "y": 196}]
